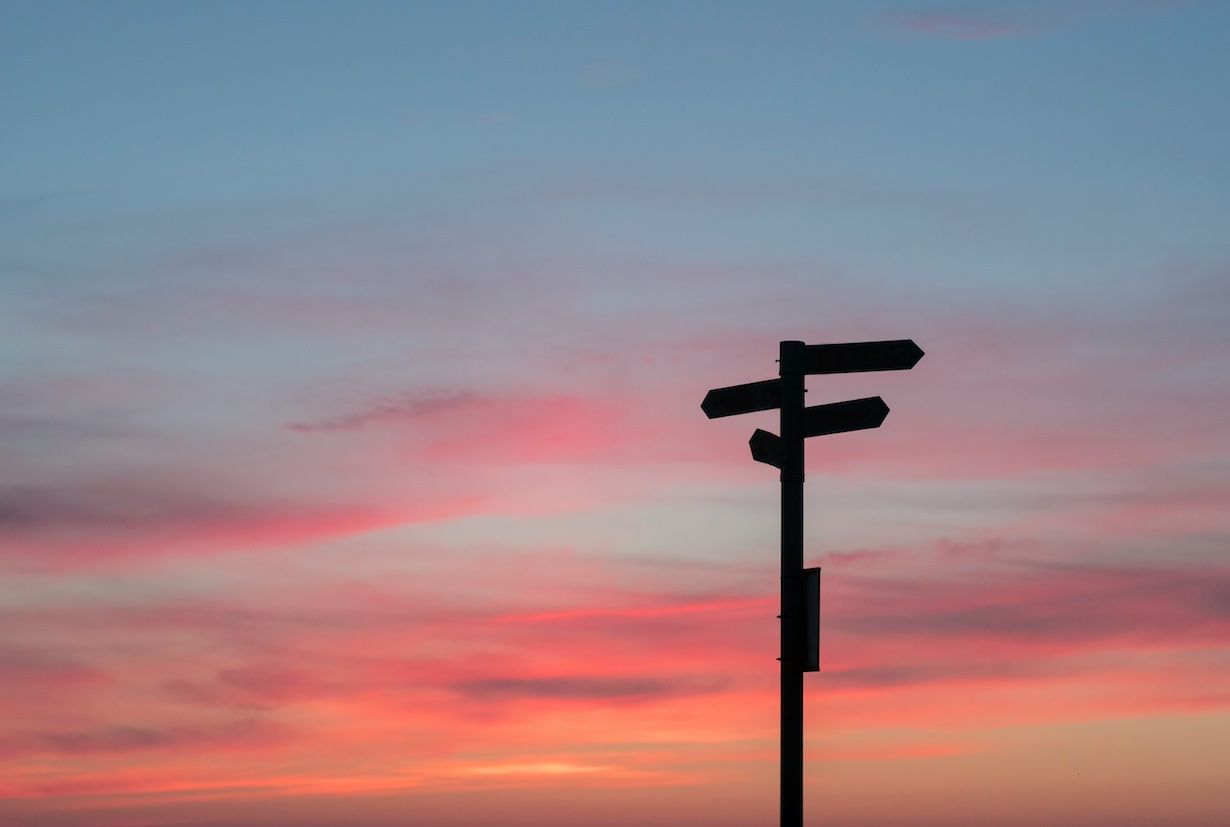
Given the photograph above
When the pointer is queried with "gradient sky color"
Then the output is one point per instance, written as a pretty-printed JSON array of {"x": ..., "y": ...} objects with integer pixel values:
[{"x": 352, "y": 469}]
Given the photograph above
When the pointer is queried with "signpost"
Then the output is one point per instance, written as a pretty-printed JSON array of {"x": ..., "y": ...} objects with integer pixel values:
[{"x": 800, "y": 589}]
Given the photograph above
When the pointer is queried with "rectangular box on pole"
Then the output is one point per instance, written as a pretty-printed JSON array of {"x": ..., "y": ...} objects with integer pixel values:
[{"x": 811, "y": 620}]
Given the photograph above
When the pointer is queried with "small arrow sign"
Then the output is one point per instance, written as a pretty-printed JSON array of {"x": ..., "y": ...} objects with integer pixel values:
[
  {"x": 857, "y": 357},
  {"x": 741, "y": 399},
  {"x": 766, "y": 448},
  {"x": 838, "y": 417}
]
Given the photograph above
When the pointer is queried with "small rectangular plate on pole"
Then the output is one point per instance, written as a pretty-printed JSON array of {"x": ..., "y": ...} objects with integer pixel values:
[
  {"x": 838, "y": 417},
  {"x": 857, "y": 357},
  {"x": 811, "y": 620},
  {"x": 741, "y": 399}
]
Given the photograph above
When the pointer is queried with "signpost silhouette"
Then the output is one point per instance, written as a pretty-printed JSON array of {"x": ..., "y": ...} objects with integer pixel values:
[{"x": 800, "y": 595}]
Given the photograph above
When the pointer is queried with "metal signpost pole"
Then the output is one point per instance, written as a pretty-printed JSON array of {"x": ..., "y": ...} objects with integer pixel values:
[{"x": 790, "y": 363}]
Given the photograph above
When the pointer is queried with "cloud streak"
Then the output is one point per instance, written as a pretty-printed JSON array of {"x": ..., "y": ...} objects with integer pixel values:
[
  {"x": 591, "y": 689},
  {"x": 969, "y": 23},
  {"x": 241, "y": 734},
  {"x": 322, "y": 667},
  {"x": 952, "y": 24},
  {"x": 413, "y": 405},
  {"x": 103, "y": 521}
]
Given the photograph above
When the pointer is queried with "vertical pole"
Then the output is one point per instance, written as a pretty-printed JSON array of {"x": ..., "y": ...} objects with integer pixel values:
[{"x": 790, "y": 362}]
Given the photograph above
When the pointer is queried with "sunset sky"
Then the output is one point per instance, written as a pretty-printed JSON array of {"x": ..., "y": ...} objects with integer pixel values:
[{"x": 352, "y": 469}]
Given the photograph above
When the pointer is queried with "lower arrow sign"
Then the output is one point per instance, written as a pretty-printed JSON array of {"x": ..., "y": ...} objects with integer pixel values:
[
  {"x": 837, "y": 417},
  {"x": 766, "y": 448},
  {"x": 818, "y": 420}
]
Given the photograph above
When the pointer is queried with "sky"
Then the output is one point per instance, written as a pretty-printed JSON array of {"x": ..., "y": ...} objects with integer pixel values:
[{"x": 352, "y": 469}]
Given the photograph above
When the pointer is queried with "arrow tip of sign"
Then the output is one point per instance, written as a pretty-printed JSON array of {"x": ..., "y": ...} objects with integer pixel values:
[
  {"x": 706, "y": 405},
  {"x": 881, "y": 407},
  {"x": 915, "y": 352}
]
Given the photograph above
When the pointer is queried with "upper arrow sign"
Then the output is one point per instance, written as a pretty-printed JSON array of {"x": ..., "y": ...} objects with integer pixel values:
[
  {"x": 741, "y": 399},
  {"x": 856, "y": 357},
  {"x": 837, "y": 417}
]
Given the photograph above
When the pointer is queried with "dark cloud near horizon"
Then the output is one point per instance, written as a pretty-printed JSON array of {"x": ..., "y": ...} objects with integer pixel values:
[
  {"x": 114, "y": 505},
  {"x": 585, "y": 688},
  {"x": 1049, "y": 604},
  {"x": 410, "y": 405},
  {"x": 104, "y": 519},
  {"x": 130, "y": 738}
]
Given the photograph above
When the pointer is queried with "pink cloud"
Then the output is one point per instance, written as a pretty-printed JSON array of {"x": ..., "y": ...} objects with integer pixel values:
[
  {"x": 973, "y": 24},
  {"x": 363, "y": 676},
  {"x": 106, "y": 521},
  {"x": 123, "y": 738},
  {"x": 32, "y": 677},
  {"x": 555, "y": 428},
  {"x": 1050, "y": 606},
  {"x": 445, "y": 427},
  {"x": 991, "y": 625},
  {"x": 956, "y": 25},
  {"x": 391, "y": 410}
]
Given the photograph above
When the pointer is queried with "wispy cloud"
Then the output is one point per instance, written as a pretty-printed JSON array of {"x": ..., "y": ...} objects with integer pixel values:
[
  {"x": 390, "y": 410},
  {"x": 587, "y": 688},
  {"x": 953, "y": 24},
  {"x": 1053, "y": 606},
  {"x": 319, "y": 663},
  {"x": 973, "y": 23},
  {"x": 106, "y": 520},
  {"x": 242, "y": 733}
]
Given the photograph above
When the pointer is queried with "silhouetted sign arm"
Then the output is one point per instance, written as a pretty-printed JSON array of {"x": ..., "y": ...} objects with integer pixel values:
[
  {"x": 838, "y": 417},
  {"x": 741, "y": 399},
  {"x": 858, "y": 357}
]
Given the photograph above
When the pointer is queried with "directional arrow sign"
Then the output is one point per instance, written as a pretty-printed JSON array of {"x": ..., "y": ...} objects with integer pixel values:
[
  {"x": 856, "y": 357},
  {"x": 854, "y": 415},
  {"x": 741, "y": 399},
  {"x": 766, "y": 448}
]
